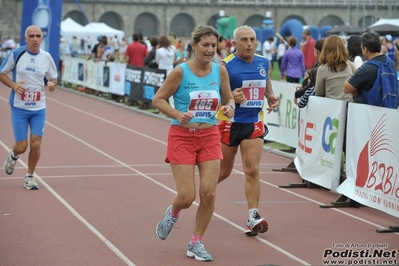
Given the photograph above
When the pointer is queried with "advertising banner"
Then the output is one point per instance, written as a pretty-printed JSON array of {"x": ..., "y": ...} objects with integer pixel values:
[
  {"x": 143, "y": 82},
  {"x": 283, "y": 122},
  {"x": 100, "y": 79},
  {"x": 117, "y": 78},
  {"x": 152, "y": 80},
  {"x": 372, "y": 161},
  {"x": 319, "y": 153},
  {"x": 46, "y": 14},
  {"x": 134, "y": 87}
]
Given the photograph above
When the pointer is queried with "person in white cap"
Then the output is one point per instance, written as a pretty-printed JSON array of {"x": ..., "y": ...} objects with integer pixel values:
[{"x": 390, "y": 50}]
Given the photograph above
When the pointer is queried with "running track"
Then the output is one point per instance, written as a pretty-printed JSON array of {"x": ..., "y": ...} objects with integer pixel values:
[{"x": 104, "y": 186}]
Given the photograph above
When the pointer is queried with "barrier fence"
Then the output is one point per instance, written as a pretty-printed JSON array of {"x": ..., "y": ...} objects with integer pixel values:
[
  {"x": 372, "y": 172},
  {"x": 320, "y": 142},
  {"x": 317, "y": 132},
  {"x": 139, "y": 83}
]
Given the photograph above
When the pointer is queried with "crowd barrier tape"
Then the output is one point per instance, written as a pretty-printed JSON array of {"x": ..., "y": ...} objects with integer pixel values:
[
  {"x": 372, "y": 160},
  {"x": 320, "y": 142}
]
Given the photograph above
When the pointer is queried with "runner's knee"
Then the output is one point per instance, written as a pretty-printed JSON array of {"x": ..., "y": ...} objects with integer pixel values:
[{"x": 20, "y": 147}]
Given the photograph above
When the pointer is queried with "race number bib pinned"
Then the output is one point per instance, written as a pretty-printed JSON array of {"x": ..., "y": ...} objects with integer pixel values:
[
  {"x": 203, "y": 104},
  {"x": 254, "y": 91},
  {"x": 31, "y": 94}
]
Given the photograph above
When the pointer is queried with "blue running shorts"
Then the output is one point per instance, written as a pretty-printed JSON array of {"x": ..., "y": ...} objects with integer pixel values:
[{"x": 22, "y": 118}]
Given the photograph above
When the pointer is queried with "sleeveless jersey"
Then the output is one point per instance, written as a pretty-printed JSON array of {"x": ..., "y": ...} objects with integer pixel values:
[
  {"x": 30, "y": 68},
  {"x": 251, "y": 77},
  {"x": 198, "y": 95},
  {"x": 391, "y": 53}
]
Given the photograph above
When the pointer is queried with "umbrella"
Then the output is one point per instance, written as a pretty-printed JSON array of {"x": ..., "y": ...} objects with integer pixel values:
[
  {"x": 348, "y": 29},
  {"x": 384, "y": 29}
]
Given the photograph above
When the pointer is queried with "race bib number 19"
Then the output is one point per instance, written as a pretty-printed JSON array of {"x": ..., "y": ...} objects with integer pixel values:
[{"x": 254, "y": 91}]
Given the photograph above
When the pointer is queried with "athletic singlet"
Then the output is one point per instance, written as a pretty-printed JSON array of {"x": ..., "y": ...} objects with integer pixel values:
[
  {"x": 251, "y": 77},
  {"x": 391, "y": 53},
  {"x": 198, "y": 95},
  {"x": 31, "y": 68}
]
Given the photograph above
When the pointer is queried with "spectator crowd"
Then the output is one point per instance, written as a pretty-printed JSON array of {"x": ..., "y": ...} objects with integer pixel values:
[{"x": 320, "y": 67}]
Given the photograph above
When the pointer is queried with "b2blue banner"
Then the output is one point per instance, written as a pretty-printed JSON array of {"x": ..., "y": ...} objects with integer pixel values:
[{"x": 46, "y": 14}]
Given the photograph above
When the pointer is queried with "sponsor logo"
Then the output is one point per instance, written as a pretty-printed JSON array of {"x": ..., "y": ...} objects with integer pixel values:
[
  {"x": 262, "y": 70},
  {"x": 203, "y": 114},
  {"x": 373, "y": 173},
  {"x": 133, "y": 75},
  {"x": 330, "y": 132},
  {"x": 254, "y": 103},
  {"x": 204, "y": 94},
  {"x": 306, "y": 135},
  {"x": 153, "y": 78},
  {"x": 255, "y": 84}
]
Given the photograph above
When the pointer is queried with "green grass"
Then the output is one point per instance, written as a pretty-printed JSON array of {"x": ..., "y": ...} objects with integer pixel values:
[
  {"x": 278, "y": 146},
  {"x": 275, "y": 72}
]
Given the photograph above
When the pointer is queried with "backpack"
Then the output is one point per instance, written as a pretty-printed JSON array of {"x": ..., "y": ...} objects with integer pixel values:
[{"x": 385, "y": 89}]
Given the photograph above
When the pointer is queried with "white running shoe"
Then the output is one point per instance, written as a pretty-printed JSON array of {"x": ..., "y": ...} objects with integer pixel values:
[
  {"x": 256, "y": 225},
  {"x": 30, "y": 183},
  {"x": 198, "y": 252},
  {"x": 9, "y": 164}
]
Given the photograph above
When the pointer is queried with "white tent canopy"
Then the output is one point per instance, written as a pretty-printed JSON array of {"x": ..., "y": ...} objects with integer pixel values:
[
  {"x": 100, "y": 28},
  {"x": 95, "y": 29},
  {"x": 383, "y": 21},
  {"x": 70, "y": 28}
]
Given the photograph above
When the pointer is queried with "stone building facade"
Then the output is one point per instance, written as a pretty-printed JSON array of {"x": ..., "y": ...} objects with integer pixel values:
[{"x": 156, "y": 17}]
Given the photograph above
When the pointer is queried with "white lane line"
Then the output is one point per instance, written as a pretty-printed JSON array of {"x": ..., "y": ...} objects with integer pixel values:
[
  {"x": 116, "y": 166},
  {"x": 82, "y": 176},
  {"x": 94, "y": 175},
  {"x": 78, "y": 216}
]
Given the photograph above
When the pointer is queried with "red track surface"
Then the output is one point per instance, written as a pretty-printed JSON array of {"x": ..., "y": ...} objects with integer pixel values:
[{"x": 104, "y": 186}]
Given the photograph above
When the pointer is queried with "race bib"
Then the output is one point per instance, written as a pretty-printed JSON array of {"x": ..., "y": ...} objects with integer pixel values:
[
  {"x": 203, "y": 104},
  {"x": 254, "y": 91},
  {"x": 31, "y": 94}
]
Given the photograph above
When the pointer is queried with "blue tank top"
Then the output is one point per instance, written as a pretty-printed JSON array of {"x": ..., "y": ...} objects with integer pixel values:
[
  {"x": 391, "y": 53},
  {"x": 198, "y": 95},
  {"x": 251, "y": 77}
]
